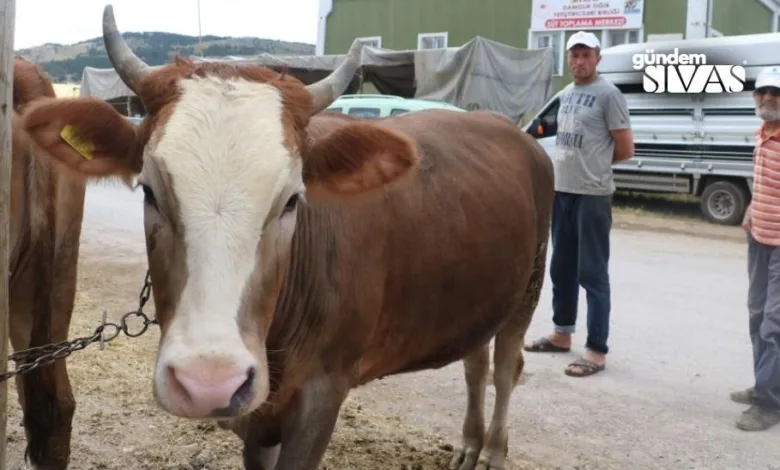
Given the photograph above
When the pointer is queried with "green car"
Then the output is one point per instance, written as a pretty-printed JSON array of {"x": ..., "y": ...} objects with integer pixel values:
[{"x": 372, "y": 106}]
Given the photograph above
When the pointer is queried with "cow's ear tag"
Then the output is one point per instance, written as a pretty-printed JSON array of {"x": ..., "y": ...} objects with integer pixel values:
[{"x": 83, "y": 147}]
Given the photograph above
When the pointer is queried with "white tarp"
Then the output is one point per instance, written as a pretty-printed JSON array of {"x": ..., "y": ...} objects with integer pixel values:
[
  {"x": 485, "y": 74},
  {"x": 481, "y": 74}
]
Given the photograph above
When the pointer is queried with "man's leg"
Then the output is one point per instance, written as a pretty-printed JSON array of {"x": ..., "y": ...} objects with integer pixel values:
[
  {"x": 563, "y": 274},
  {"x": 758, "y": 272},
  {"x": 594, "y": 223},
  {"x": 764, "y": 266}
]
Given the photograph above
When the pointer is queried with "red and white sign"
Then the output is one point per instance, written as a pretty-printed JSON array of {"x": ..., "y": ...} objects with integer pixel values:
[{"x": 551, "y": 15}]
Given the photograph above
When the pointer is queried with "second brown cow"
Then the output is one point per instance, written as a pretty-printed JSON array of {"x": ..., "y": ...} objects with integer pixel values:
[{"x": 47, "y": 207}]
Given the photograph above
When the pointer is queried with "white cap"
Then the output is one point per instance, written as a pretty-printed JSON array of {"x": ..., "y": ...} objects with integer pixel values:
[
  {"x": 770, "y": 76},
  {"x": 585, "y": 38}
]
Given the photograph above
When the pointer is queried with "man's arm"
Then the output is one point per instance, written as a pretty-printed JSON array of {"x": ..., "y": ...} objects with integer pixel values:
[
  {"x": 624, "y": 144},
  {"x": 619, "y": 125}
]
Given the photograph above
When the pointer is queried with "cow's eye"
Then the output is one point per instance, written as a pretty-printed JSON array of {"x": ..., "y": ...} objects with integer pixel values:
[
  {"x": 148, "y": 195},
  {"x": 291, "y": 204}
]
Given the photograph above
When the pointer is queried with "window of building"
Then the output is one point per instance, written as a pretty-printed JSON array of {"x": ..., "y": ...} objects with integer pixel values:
[
  {"x": 554, "y": 40},
  {"x": 372, "y": 41},
  {"x": 621, "y": 36},
  {"x": 432, "y": 40}
]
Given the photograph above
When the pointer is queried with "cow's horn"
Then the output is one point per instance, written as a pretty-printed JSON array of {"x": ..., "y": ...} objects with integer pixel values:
[
  {"x": 130, "y": 67},
  {"x": 325, "y": 92}
]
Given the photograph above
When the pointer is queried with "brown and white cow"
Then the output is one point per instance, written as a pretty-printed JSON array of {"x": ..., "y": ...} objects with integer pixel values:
[
  {"x": 295, "y": 255},
  {"x": 46, "y": 212}
]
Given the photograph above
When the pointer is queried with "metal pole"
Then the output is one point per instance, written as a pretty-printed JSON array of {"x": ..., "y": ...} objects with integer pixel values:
[
  {"x": 200, "y": 35},
  {"x": 7, "y": 20}
]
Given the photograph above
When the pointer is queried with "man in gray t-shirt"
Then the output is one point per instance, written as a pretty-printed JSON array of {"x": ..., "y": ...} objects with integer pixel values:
[
  {"x": 593, "y": 132},
  {"x": 584, "y": 148}
]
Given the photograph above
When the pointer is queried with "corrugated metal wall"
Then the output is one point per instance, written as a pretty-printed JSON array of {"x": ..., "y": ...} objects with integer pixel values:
[
  {"x": 733, "y": 17},
  {"x": 399, "y": 21},
  {"x": 666, "y": 16}
]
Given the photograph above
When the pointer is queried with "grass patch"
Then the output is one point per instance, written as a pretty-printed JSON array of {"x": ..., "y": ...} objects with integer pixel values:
[{"x": 682, "y": 206}]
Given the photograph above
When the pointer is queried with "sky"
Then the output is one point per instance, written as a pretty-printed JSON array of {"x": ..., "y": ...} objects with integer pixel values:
[{"x": 66, "y": 22}]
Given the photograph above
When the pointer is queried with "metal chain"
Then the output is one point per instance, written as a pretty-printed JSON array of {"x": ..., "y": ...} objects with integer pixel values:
[{"x": 29, "y": 359}]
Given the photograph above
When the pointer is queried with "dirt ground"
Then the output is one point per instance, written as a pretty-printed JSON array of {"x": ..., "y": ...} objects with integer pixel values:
[
  {"x": 118, "y": 426},
  {"x": 679, "y": 215}
]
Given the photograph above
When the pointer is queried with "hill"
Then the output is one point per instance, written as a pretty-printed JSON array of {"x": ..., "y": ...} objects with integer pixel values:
[{"x": 65, "y": 63}]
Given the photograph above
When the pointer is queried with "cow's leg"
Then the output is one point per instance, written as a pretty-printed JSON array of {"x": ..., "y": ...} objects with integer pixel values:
[
  {"x": 307, "y": 429},
  {"x": 508, "y": 359},
  {"x": 262, "y": 445},
  {"x": 46, "y": 400},
  {"x": 48, "y": 416},
  {"x": 508, "y": 365},
  {"x": 19, "y": 330},
  {"x": 476, "y": 366},
  {"x": 261, "y": 458},
  {"x": 42, "y": 316},
  {"x": 236, "y": 426}
]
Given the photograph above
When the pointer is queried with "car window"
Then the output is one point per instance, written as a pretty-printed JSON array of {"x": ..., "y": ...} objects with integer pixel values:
[
  {"x": 550, "y": 115},
  {"x": 365, "y": 113},
  {"x": 397, "y": 111},
  {"x": 335, "y": 110}
]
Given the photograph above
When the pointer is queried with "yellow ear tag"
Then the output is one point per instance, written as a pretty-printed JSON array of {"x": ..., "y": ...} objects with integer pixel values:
[{"x": 84, "y": 148}]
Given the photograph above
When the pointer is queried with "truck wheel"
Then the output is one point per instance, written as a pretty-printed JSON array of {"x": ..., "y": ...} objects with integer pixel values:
[{"x": 724, "y": 202}]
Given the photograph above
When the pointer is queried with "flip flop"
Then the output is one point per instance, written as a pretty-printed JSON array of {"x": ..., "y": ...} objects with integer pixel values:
[
  {"x": 586, "y": 368},
  {"x": 544, "y": 345}
]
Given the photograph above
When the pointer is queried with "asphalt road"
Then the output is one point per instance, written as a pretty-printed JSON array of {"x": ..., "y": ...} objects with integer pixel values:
[{"x": 679, "y": 345}]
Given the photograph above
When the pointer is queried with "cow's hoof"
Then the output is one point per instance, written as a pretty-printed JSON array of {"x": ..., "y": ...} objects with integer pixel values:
[
  {"x": 490, "y": 463},
  {"x": 465, "y": 458}
]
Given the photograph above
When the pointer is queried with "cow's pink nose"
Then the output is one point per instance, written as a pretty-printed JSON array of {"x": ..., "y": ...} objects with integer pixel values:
[{"x": 202, "y": 389}]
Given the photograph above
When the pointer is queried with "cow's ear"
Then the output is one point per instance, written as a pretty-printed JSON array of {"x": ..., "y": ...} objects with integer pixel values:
[
  {"x": 86, "y": 134},
  {"x": 356, "y": 158}
]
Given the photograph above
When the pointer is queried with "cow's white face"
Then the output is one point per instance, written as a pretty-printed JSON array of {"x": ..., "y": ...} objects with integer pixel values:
[{"x": 221, "y": 182}]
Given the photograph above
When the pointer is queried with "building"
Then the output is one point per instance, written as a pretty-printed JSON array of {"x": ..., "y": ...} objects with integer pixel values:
[{"x": 419, "y": 24}]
